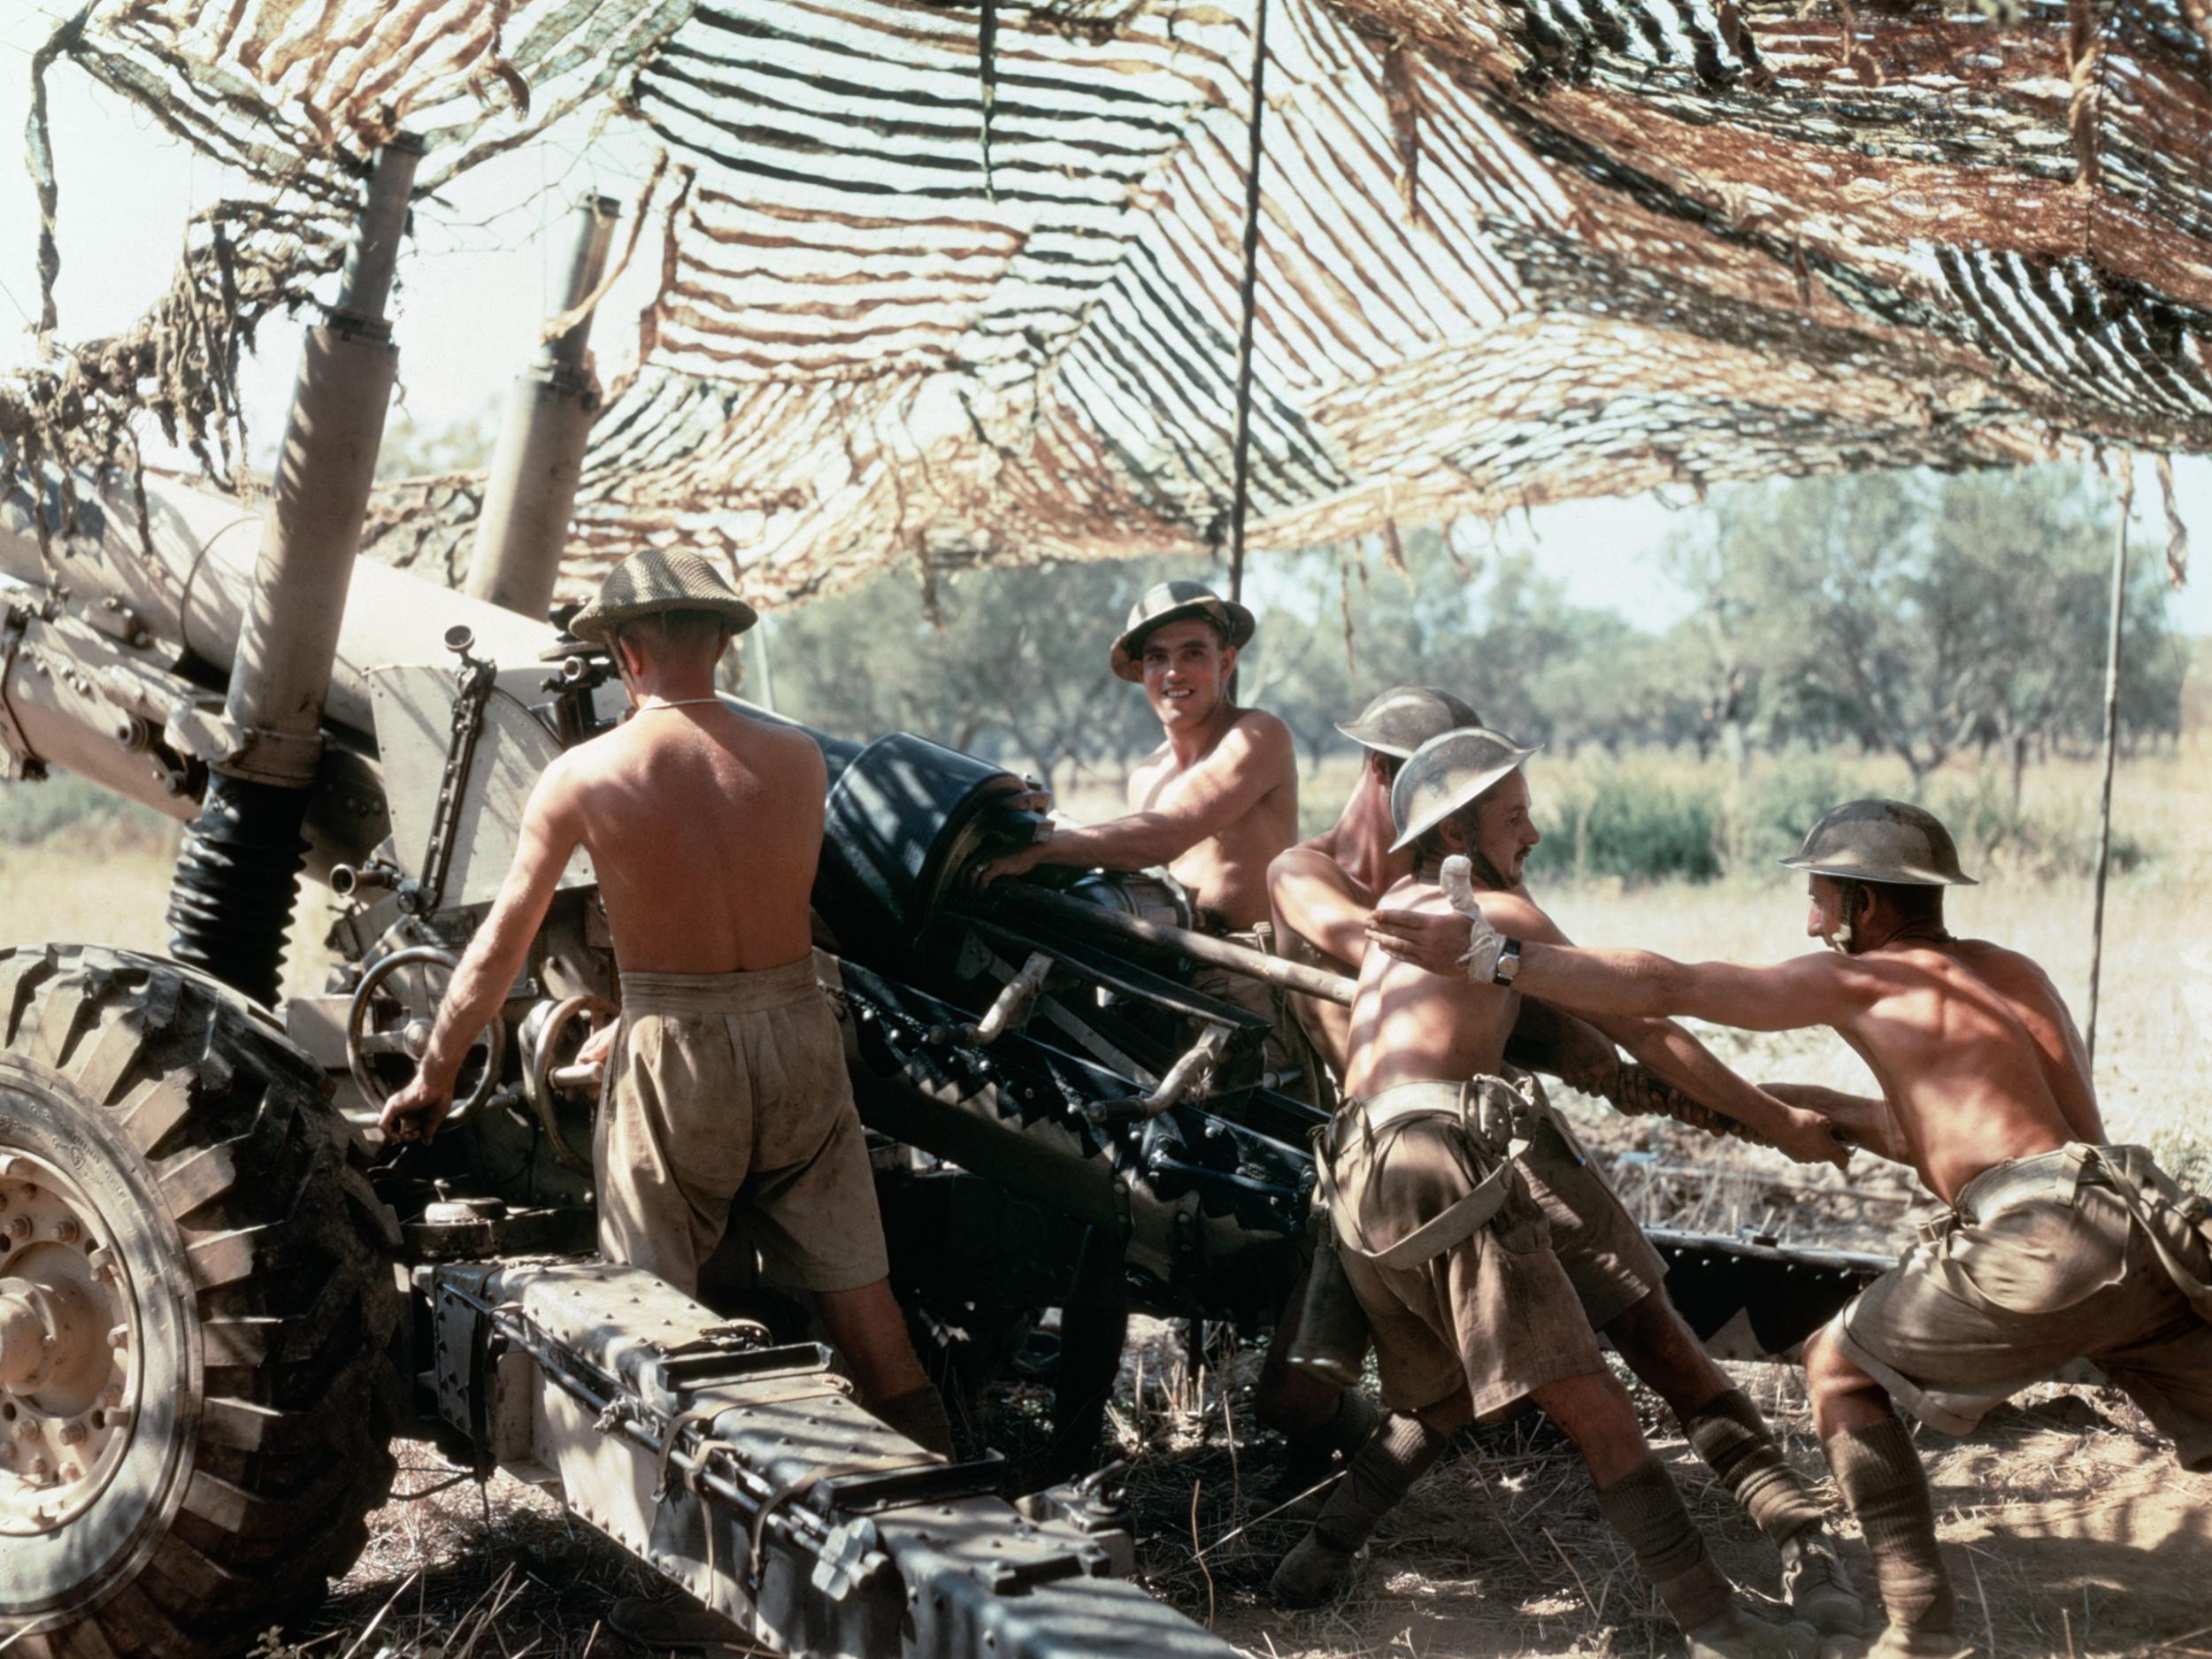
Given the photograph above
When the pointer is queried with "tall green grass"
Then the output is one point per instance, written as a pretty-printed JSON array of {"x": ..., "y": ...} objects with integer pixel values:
[{"x": 1658, "y": 816}]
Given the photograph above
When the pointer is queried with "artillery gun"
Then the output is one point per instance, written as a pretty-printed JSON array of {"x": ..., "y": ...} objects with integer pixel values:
[{"x": 219, "y": 1306}]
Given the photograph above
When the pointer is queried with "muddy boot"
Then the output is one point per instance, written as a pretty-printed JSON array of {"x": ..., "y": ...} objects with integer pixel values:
[
  {"x": 1321, "y": 1564},
  {"x": 674, "y": 1623},
  {"x": 1740, "y": 1634},
  {"x": 1896, "y": 1643},
  {"x": 1887, "y": 1488},
  {"x": 1646, "y": 1509},
  {"x": 1314, "y": 1457},
  {"x": 1733, "y": 1439}
]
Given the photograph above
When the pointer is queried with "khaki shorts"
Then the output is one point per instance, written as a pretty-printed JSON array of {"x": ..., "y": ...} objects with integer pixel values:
[
  {"x": 1610, "y": 1263},
  {"x": 1287, "y": 1048},
  {"x": 2008, "y": 1298},
  {"x": 1496, "y": 1312},
  {"x": 727, "y": 1106}
]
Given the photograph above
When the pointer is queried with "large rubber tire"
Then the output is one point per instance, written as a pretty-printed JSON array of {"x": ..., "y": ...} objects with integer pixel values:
[{"x": 256, "y": 1262}]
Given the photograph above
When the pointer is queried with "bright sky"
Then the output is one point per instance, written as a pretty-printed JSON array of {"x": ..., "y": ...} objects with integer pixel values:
[{"x": 476, "y": 281}]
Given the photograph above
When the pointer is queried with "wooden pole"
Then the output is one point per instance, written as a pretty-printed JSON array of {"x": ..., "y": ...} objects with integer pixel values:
[
  {"x": 2111, "y": 744},
  {"x": 1248, "y": 305}
]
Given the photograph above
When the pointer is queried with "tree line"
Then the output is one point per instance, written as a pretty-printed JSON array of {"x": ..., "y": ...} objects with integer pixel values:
[{"x": 1906, "y": 614}]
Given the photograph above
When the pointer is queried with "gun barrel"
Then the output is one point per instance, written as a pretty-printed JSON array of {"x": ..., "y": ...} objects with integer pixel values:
[{"x": 1219, "y": 953}]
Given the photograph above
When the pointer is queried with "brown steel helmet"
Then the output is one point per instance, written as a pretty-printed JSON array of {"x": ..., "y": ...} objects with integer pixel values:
[
  {"x": 1882, "y": 841},
  {"x": 1405, "y": 716},
  {"x": 1445, "y": 774}
]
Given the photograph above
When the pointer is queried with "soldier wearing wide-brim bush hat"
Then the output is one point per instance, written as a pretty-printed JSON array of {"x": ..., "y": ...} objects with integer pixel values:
[
  {"x": 1891, "y": 842},
  {"x": 658, "y": 582},
  {"x": 1405, "y": 717},
  {"x": 1446, "y": 773},
  {"x": 1170, "y": 601}
]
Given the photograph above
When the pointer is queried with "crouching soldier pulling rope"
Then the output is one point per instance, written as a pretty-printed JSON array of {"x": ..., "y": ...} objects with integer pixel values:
[
  {"x": 1449, "y": 1251},
  {"x": 2059, "y": 1246}
]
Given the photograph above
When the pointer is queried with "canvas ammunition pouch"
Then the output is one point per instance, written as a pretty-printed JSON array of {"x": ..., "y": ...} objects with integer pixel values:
[
  {"x": 1493, "y": 1118},
  {"x": 2177, "y": 1222}
]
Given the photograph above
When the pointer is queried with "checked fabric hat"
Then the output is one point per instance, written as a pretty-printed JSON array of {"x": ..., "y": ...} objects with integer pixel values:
[
  {"x": 1170, "y": 602},
  {"x": 653, "y": 581}
]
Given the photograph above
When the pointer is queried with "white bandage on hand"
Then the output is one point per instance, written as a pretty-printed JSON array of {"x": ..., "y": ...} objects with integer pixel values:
[{"x": 1485, "y": 943}]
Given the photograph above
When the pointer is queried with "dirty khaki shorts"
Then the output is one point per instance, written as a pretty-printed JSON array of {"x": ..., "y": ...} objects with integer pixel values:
[
  {"x": 2008, "y": 1294},
  {"x": 727, "y": 1105},
  {"x": 1496, "y": 1311},
  {"x": 1610, "y": 1263}
]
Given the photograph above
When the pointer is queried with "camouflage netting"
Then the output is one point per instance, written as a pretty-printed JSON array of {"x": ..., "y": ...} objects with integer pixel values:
[{"x": 942, "y": 285}]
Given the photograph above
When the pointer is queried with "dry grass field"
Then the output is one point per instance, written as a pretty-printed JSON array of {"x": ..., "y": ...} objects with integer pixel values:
[{"x": 2070, "y": 1531}]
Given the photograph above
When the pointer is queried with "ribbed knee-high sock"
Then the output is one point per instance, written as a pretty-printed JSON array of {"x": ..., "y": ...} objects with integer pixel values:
[
  {"x": 1887, "y": 1489},
  {"x": 1737, "y": 1445},
  {"x": 1646, "y": 1509}
]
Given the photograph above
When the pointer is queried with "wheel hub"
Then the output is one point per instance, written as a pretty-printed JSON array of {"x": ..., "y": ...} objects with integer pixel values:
[{"x": 68, "y": 1349}]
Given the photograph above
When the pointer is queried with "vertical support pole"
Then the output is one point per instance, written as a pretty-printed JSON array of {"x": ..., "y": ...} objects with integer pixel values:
[
  {"x": 238, "y": 875},
  {"x": 2111, "y": 746},
  {"x": 767, "y": 668},
  {"x": 1247, "y": 303},
  {"x": 530, "y": 489}
]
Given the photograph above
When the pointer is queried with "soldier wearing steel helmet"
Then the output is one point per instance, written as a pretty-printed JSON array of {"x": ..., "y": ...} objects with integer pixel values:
[
  {"x": 1325, "y": 890},
  {"x": 2059, "y": 1246},
  {"x": 1448, "y": 1249}
]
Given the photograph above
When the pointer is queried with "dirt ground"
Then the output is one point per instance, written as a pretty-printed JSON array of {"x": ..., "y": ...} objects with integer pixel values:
[
  {"x": 2068, "y": 1527},
  {"x": 2070, "y": 1532}
]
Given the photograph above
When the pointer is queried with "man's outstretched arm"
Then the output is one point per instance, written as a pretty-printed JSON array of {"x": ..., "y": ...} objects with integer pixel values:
[
  {"x": 496, "y": 955},
  {"x": 1671, "y": 1053},
  {"x": 1248, "y": 762}
]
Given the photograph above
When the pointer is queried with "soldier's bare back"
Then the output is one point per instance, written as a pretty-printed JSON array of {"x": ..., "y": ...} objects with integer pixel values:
[{"x": 704, "y": 827}]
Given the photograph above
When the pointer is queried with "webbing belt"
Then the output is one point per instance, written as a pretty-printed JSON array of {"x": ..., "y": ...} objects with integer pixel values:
[{"x": 1458, "y": 1105}]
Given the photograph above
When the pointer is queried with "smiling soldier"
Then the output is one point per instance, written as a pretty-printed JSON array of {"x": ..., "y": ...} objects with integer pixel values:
[{"x": 1214, "y": 803}]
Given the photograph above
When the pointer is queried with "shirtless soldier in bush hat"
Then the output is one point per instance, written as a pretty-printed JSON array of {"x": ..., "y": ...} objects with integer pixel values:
[
  {"x": 1325, "y": 890},
  {"x": 2059, "y": 1246},
  {"x": 1214, "y": 803},
  {"x": 1448, "y": 1249},
  {"x": 727, "y": 1101}
]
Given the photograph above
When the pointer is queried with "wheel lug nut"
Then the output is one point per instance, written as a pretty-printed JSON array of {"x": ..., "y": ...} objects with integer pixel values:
[
  {"x": 68, "y": 1232},
  {"x": 73, "y": 1433},
  {"x": 27, "y": 1429},
  {"x": 19, "y": 1228}
]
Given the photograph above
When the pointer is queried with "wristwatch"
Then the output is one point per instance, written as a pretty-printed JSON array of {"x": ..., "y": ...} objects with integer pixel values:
[{"x": 1509, "y": 964}]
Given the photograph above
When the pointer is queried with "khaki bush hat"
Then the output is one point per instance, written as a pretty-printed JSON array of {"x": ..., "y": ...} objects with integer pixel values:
[
  {"x": 1170, "y": 601},
  {"x": 653, "y": 581},
  {"x": 1882, "y": 841},
  {"x": 1447, "y": 772},
  {"x": 1405, "y": 716}
]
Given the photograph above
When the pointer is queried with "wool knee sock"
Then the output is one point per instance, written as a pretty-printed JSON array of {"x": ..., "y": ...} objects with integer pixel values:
[
  {"x": 1887, "y": 1489},
  {"x": 1646, "y": 1509},
  {"x": 1312, "y": 1454},
  {"x": 1379, "y": 1473},
  {"x": 1736, "y": 1444},
  {"x": 920, "y": 1415},
  {"x": 1397, "y": 1454}
]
